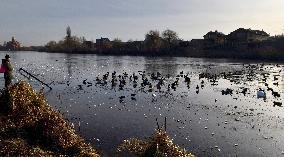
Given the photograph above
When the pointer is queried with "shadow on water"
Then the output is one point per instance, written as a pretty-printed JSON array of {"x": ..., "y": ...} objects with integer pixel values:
[{"x": 163, "y": 65}]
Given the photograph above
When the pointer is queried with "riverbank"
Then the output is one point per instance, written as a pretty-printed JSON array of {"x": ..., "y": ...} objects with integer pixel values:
[{"x": 30, "y": 127}]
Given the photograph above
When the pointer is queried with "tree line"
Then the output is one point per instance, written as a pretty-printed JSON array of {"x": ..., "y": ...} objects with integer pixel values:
[
  {"x": 167, "y": 43},
  {"x": 154, "y": 42}
]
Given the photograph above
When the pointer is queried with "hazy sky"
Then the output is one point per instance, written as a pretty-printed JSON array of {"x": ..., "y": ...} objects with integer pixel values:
[{"x": 35, "y": 22}]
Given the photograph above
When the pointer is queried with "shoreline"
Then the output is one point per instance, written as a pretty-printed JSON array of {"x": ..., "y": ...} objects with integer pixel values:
[{"x": 233, "y": 56}]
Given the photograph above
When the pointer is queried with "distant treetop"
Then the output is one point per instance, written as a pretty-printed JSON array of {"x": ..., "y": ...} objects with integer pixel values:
[{"x": 68, "y": 32}]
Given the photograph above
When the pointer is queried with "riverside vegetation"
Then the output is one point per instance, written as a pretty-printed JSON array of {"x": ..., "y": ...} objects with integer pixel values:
[
  {"x": 30, "y": 127},
  {"x": 252, "y": 44}
]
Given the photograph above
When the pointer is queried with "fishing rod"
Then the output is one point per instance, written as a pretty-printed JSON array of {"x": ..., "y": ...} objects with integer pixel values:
[{"x": 31, "y": 75}]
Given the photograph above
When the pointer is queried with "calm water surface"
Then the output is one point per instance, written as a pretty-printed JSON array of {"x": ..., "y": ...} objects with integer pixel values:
[{"x": 202, "y": 120}]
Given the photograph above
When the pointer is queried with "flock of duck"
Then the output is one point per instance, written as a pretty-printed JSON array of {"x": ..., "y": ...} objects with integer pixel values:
[
  {"x": 156, "y": 82},
  {"x": 151, "y": 82}
]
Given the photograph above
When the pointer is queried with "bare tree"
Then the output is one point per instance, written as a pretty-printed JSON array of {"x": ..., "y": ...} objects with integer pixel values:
[
  {"x": 153, "y": 40},
  {"x": 170, "y": 36},
  {"x": 117, "y": 43}
]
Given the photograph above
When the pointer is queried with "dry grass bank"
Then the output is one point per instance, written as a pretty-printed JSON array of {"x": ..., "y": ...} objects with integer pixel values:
[
  {"x": 159, "y": 145},
  {"x": 30, "y": 127}
]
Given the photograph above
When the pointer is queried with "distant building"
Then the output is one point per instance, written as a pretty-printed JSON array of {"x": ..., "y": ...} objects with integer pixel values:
[
  {"x": 138, "y": 45},
  {"x": 197, "y": 43},
  {"x": 89, "y": 44},
  {"x": 247, "y": 35},
  {"x": 2, "y": 47},
  {"x": 184, "y": 43},
  {"x": 103, "y": 43},
  {"x": 13, "y": 45},
  {"x": 215, "y": 37}
]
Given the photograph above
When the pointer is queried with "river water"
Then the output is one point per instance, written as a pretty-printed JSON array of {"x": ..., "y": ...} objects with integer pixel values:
[{"x": 201, "y": 119}]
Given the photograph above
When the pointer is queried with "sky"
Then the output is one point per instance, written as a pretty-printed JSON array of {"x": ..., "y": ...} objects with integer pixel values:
[{"x": 35, "y": 22}]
